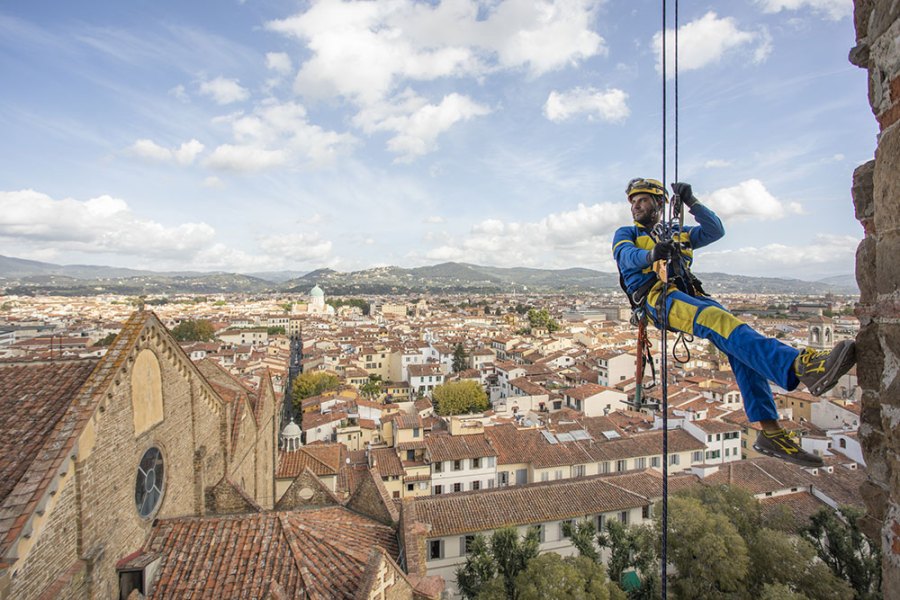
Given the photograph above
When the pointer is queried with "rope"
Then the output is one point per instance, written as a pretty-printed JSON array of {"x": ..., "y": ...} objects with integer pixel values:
[{"x": 667, "y": 232}]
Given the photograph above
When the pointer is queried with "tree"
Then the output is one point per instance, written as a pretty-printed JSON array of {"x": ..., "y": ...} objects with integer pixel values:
[
  {"x": 277, "y": 330},
  {"x": 849, "y": 554},
  {"x": 780, "y": 591},
  {"x": 582, "y": 534},
  {"x": 541, "y": 319},
  {"x": 552, "y": 576},
  {"x": 105, "y": 340},
  {"x": 502, "y": 558},
  {"x": 460, "y": 397},
  {"x": 372, "y": 387},
  {"x": 312, "y": 384},
  {"x": 706, "y": 550},
  {"x": 632, "y": 548},
  {"x": 779, "y": 559},
  {"x": 459, "y": 358},
  {"x": 194, "y": 331}
]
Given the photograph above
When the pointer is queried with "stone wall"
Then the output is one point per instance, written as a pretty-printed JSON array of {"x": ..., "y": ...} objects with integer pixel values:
[{"x": 876, "y": 196}]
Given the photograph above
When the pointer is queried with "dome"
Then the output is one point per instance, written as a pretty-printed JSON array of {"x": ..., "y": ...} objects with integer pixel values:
[
  {"x": 317, "y": 292},
  {"x": 291, "y": 430}
]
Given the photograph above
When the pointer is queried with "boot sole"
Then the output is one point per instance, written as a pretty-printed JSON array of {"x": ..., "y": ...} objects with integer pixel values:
[
  {"x": 788, "y": 458},
  {"x": 845, "y": 361}
]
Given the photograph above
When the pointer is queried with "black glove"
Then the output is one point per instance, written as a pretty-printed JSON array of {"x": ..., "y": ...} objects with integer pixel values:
[
  {"x": 685, "y": 193},
  {"x": 662, "y": 251}
]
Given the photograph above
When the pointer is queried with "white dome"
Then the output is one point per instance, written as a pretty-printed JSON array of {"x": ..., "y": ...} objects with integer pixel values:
[
  {"x": 291, "y": 430},
  {"x": 317, "y": 292}
]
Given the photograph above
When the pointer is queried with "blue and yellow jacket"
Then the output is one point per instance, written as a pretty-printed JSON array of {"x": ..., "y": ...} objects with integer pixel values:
[{"x": 632, "y": 245}]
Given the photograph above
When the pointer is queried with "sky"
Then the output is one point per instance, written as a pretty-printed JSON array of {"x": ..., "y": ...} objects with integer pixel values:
[{"x": 266, "y": 135}]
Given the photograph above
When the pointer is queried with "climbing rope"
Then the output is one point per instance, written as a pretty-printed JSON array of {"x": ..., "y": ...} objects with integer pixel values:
[{"x": 667, "y": 235}]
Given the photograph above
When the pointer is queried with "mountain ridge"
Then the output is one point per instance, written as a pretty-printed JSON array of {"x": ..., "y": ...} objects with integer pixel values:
[{"x": 22, "y": 276}]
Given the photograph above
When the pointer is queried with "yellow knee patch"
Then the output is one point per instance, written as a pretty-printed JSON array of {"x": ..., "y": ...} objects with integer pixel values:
[
  {"x": 681, "y": 316},
  {"x": 718, "y": 320}
]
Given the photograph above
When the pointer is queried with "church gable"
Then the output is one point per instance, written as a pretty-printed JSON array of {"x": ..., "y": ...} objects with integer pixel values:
[
  {"x": 372, "y": 499},
  {"x": 226, "y": 498},
  {"x": 306, "y": 490}
]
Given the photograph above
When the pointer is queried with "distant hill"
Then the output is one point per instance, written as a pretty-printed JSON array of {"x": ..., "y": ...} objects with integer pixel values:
[{"x": 20, "y": 276}]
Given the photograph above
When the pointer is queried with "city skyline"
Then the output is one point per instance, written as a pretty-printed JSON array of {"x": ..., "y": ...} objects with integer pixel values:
[{"x": 263, "y": 136}]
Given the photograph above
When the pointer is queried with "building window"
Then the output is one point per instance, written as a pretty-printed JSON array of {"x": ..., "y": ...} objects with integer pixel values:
[
  {"x": 410, "y": 455},
  {"x": 435, "y": 549},
  {"x": 438, "y": 467},
  {"x": 476, "y": 485},
  {"x": 438, "y": 490},
  {"x": 623, "y": 517},
  {"x": 457, "y": 487},
  {"x": 476, "y": 463},
  {"x": 565, "y": 528},
  {"x": 557, "y": 474},
  {"x": 654, "y": 462},
  {"x": 604, "y": 467},
  {"x": 457, "y": 465},
  {"x": 842, "y": 442},
  {"x": 578, "y": 471},
  {"x": 698, "y": 456},
  {"x": 621, "y": 465},
  {"x": 640, "y": 463},
  {"x": 410, "y": 487},
  {"x": 503, "y": 478},
  {"x": 540, "y": 531},
  {"x": 645, "y": 512},
  {"x": 601, "y": 522},
  {"x": 415, "y": 432},
  {"x": 673, "y": 459},
  {"x": 545, "y": 476},
  {"x": 149, "y": 482}
]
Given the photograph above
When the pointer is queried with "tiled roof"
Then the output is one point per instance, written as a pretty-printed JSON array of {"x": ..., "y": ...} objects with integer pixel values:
[
  {"x": 797, "y": 507},
  {"x": 321, "y": 459},
  {"x": 55, "y": 442},
  {"x": 458, "y": 447},
  {"x": 317, "y": 554},
  {"x": 708, "y": 426},
  {"x": 583, "y": 392},
  {"x": 33, "y": 398},
  {"x": 387, "y": 462},
  {"x": 469, "y": 512},
  {"x": 761, "y": 475}
]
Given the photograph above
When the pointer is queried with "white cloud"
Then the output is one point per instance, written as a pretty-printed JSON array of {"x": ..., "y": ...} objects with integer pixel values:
[
  {"x": 224, "y": 91},
  {"x": 827, "y": 254},
  {"x": 749, "y": 200},
  {"x": 705, "y": 41},
  {"x": 609, "y": 105},
  {"x": 279, "y": 62},
  {"x": 416, "y": 123},
  {"x": 180, "y": 93},
  {"x": 299, "y": 246},
  {"x": 150, "y": 150},
  {"x": 213, "y": 182},
  {"x": 362, "y": 50},
  {"x": 717, "y": 163},
  {"x": 434, "y": 220},
  {"x": 275, "y": 135},
  {"x": 577, "y": 237},
  {"x": 831, "y": 9},
  {"x": 97, "y": 225}
]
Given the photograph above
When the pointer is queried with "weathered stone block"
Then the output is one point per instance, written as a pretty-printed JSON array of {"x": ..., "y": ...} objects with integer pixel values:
[
  {"x": 869, "y": 360},
  {"x": 865, "y": 270},
  {"x": 862, "y": 191},
  {"x": 886, "y": 184},
  {"x": 887, "y": 261}
]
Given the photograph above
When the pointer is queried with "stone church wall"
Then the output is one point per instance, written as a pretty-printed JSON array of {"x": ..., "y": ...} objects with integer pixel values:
[{"x": 876, "y": 196}]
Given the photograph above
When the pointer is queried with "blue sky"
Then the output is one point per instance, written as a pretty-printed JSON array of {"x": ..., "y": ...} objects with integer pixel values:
[{"x": 266, "y": 135}]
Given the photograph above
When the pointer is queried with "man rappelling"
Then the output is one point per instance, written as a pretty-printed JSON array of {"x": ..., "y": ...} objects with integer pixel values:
[{"x": 654, "y": 259}]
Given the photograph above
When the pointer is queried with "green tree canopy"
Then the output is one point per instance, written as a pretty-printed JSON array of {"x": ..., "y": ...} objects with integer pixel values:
[
  {"x": 372, "y": 387},
  {"x": 459, "y": 358},
  {"x": 848, "y": 553},
  {"x": 277, "y": 330},
  {"x": 541, "y": 319},
  {"x": 460, "y": 397},
  {"x": 194, "y": 331},
  {"x": 552, "y": 576},
  {"x": 706, "y": 550},
  {"x": 632, "y": 548},
  {"x": 105, "y": 340},
  {"x": 312, "y": 384},
  {"x": 493, "y": 565}
]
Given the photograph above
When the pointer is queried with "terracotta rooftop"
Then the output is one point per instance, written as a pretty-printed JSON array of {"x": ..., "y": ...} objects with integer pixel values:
[
  {"x": 316, "y": 554},
  {"x": 470, "y": 512},
  {"x": 321, "y": 459},
  {"x": 458, "y": 447}
]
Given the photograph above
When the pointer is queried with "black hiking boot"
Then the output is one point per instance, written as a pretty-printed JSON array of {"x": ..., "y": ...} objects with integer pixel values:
[
  {"x": 819, "y": 370},
  {"x": 781, "y": 444}
]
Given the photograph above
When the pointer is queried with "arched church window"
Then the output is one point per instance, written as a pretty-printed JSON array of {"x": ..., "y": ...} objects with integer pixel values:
[{"x": 149, "y": 483}]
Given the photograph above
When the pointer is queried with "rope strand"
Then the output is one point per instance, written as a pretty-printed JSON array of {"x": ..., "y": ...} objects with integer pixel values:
[{"x": 664, "y": 405}]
